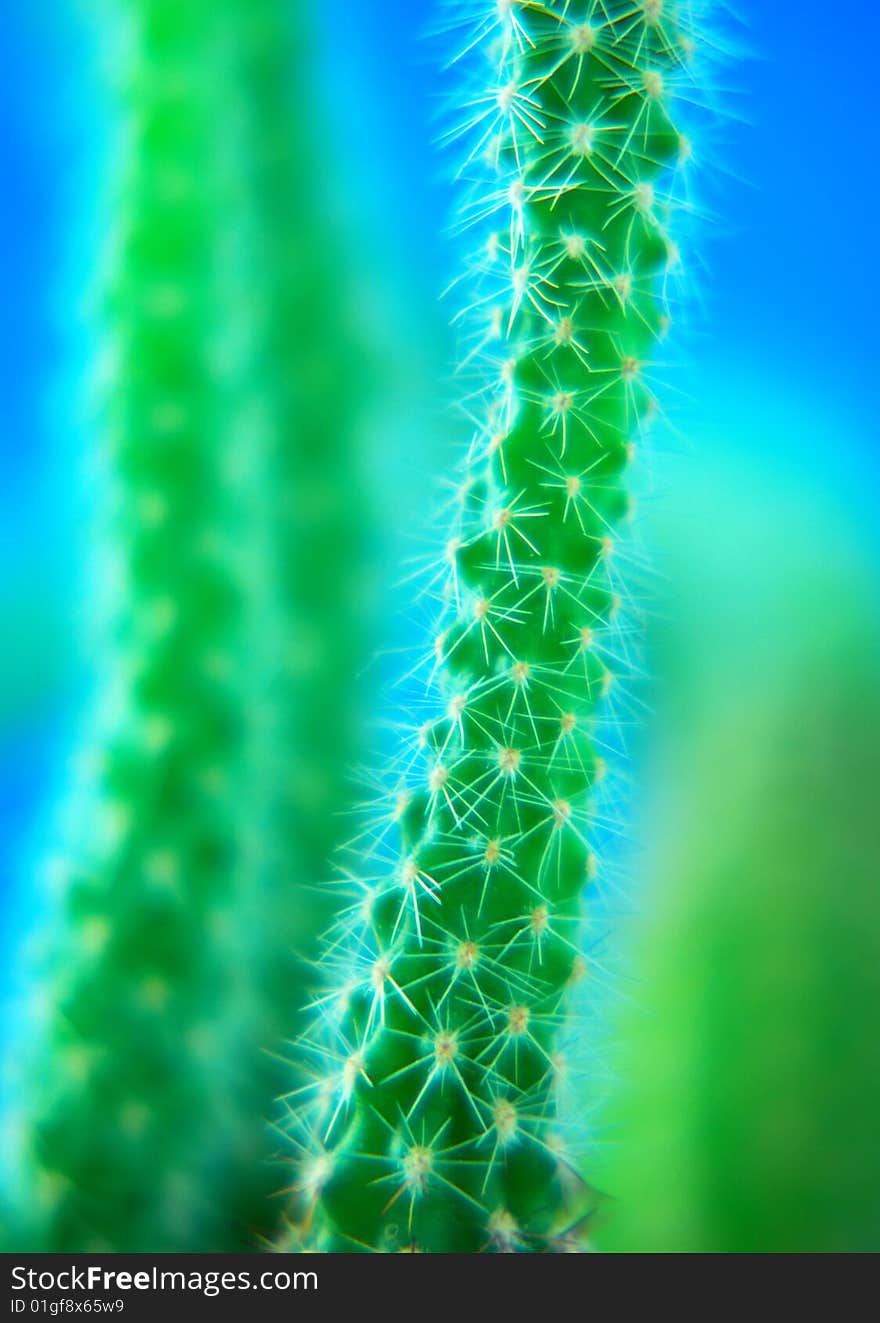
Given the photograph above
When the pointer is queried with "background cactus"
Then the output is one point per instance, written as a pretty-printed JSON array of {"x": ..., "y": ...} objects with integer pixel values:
[
  {"x": 307, "y": 331},
  {"x": 137, "y": 999},
  {"x": 170, "y": 955},
  {"x": 432, "y": 1116}
]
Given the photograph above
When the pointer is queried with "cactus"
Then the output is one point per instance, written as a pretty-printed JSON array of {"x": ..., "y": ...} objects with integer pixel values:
[
  {"x": 143, "y": 998},
  {"x": 304, "y": 332},
  {"x": 430, "y": 1114},
  {"x": 307, "y": 333},
  {"x": 169, "y": 965}
]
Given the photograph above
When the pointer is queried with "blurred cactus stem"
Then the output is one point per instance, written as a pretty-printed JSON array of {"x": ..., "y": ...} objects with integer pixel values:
[
  {"x": 198, "y": 820},
  {"x": 307, "y": 336}
]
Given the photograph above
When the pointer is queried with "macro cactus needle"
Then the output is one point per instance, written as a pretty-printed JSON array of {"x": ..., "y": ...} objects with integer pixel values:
[{"x": 429, "y": 1112}]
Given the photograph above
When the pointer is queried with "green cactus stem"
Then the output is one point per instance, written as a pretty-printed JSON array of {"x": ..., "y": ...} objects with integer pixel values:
[
  {"x": 140, "y": 991},
  {"x": 201, "y": 820},
  {"x": 431, "y": 1115},
  {"x": 315, "y": 621},
  {"x": 306, "y": 335}
]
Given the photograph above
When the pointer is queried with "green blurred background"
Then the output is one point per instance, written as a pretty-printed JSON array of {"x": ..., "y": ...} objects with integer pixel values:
[{"x": 743, "y": 1016}]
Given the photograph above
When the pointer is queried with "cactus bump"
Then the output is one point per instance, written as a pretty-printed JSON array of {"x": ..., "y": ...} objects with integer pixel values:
[{"x": 428, "y": 1114}]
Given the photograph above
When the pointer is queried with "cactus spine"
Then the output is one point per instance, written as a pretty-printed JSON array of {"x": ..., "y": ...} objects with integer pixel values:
[{"x": 431, "y": 1120}]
